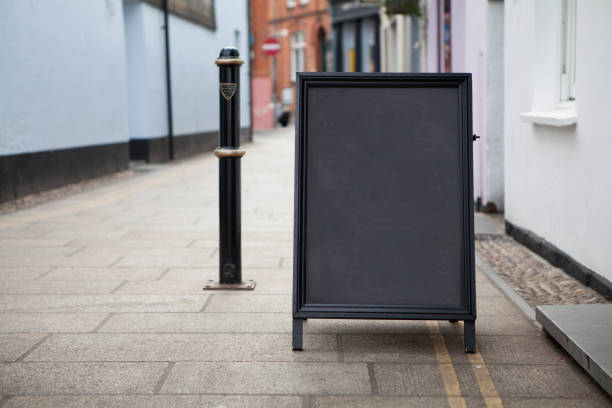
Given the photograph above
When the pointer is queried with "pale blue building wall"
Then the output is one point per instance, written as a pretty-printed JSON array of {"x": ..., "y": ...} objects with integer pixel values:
[
  {"x": 193, "y": 50},
  {"x": 62, "y": 75},
  {"x": 83, "y": 87}
]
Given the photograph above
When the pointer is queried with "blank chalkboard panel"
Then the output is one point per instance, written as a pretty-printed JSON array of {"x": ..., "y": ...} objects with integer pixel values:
[{"x": 384, "y": 222}]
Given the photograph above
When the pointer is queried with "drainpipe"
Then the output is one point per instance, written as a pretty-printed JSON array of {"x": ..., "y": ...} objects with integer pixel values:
[{"x": 168, "y": 84}]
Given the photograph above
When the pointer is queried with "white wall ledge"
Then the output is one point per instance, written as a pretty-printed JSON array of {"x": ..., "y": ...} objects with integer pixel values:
[{"x": 554, "y": 117}]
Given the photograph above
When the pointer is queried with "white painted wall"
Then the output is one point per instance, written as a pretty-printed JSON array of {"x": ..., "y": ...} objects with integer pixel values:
[
  {"x": 195, "y": 77},
  {"x": 62, "y": 74},
  {"x": 493, "y": 170},
  {"x": 477, "y": 48},
  {"x": 558, "y": 180},
  {"x": 146, "y": 70},
  {"x": 469, "y": 43}
]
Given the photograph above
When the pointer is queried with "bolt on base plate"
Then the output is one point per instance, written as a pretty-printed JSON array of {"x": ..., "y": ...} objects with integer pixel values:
[{"x": 213, "y": 285}]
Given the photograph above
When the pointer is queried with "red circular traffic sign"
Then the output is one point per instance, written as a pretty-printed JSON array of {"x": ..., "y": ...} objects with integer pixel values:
[{"x": 271, "y": 46}]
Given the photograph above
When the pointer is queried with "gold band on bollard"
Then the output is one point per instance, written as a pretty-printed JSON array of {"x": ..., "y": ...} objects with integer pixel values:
[
  {"x": 229, "y": 61},
  {"x": 222, "y": 152}
]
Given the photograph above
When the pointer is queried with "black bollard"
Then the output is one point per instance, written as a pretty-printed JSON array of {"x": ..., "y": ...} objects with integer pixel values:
[{"x": 229, "y": 153}]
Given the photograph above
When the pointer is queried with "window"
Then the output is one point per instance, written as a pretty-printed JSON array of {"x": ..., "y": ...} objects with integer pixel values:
[
  {"x": 298, "y": 53},
  {"x": 304, "y": 2},
  {"x": 568, "y": 50},
  {"x": 368, "y": 46},
  {"x": 349, "y": 43},
  {"x": 290, "y": 3}
]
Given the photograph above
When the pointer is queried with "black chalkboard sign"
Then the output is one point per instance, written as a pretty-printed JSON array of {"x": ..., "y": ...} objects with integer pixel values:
[{"x": 383, "y": 199}]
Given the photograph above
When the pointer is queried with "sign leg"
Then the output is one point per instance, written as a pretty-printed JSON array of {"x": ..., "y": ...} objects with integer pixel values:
[
  {"x": 298, "y": 330},
  {"x": 469, "y": 336}
]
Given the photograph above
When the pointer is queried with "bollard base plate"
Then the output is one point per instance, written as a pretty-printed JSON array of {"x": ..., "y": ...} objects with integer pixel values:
[{"x": 214, "y": 285}]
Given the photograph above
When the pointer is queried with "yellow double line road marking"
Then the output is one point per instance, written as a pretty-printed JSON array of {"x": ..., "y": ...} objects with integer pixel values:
[
  {"x": 485, "y": 383},
  {"x": 449, "y": 376}
]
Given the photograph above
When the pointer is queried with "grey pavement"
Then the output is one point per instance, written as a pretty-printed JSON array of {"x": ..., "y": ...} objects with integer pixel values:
[
  {"x": 488, "y": 224},
  {"x": 101, "y": 304}
]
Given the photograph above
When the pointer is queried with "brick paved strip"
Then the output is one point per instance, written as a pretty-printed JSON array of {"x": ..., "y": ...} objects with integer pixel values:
[{"x": 532, "y": 277}]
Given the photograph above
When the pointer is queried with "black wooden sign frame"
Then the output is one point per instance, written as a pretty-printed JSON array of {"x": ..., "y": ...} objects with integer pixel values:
[{"x": 303, "y": 310}]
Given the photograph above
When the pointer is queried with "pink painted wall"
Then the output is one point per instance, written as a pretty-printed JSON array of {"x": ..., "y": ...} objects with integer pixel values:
[
  {"x": 470, "y": 30},
  {"x": 263, "y": 111},
  {"x": 468, "y": 54}
]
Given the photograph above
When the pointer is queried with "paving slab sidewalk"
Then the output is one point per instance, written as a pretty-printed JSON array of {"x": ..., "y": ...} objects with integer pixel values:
[{"x": 101, "y": 305}]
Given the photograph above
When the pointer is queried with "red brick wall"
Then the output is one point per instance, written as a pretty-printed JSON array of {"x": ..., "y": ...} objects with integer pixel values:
[{"x": 273, "y": 16}]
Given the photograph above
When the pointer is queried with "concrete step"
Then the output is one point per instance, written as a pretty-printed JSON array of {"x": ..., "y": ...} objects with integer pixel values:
[{"x": 585, "y": 332}]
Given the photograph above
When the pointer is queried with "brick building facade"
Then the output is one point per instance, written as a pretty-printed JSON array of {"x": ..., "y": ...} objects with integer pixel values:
[{"x": 303, "y": 29}]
